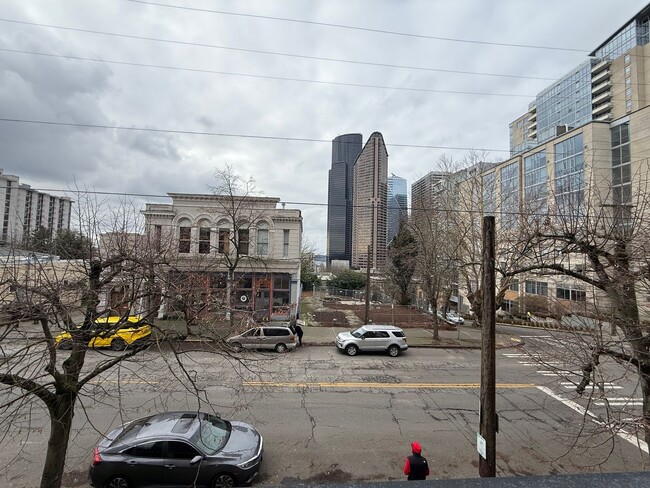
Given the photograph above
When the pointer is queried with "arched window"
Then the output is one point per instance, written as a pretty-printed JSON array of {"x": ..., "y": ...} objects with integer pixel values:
[
  {"x": 223, "y": 246},
  {"x": 184, "y": 236},
  {"x": 204, "y": 236},
  {"x": 262, "y": 239}
]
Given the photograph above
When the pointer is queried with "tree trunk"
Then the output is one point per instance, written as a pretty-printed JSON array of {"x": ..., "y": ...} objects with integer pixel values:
[
  {"x": 644, "y": 376},
  {"x": 436, "y": 336},
  {"x": 626, "y": 318},
  {"x": 61, "y": 415},
  {"x": 229, "y": 284}
]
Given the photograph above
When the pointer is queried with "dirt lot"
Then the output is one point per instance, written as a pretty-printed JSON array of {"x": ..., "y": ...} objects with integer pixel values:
[{"x": 330, "y": 312}]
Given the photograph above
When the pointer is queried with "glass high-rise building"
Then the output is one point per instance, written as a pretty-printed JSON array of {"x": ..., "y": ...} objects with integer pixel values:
[
  {"x": 397, "y": 210},
  {"x": 345, "y": 150},
  {"x": 608, "y": 85},
  {"x": 369, "y": 204}
]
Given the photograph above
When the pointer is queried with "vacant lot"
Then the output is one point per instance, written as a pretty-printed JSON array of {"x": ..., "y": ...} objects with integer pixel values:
[{"x": 332, "y": 312}]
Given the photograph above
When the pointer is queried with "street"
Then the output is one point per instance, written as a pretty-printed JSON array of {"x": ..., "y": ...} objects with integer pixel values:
[{"x": 329, "y": 417}]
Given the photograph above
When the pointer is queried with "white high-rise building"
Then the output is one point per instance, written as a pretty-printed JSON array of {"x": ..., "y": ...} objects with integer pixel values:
[{"x": 22, "y": 210}]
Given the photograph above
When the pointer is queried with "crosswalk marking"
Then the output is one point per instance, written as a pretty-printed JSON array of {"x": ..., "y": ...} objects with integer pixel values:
[
  {"x": 332, "y": 384},
  {"x": 619, "y": 404},
  {"x": 631, "y": 438}
]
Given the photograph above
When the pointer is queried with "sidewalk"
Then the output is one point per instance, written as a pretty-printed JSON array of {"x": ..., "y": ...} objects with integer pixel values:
[{"x": 466, "y": 337}]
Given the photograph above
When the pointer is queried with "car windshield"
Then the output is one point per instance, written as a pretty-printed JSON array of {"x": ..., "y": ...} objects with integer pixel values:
[
  {"x": 359, "y": 332},
  {"x": 212, "y": 435}
]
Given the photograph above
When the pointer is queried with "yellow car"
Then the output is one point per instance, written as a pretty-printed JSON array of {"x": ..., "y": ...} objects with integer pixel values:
[{"x": 109, "y": 334}]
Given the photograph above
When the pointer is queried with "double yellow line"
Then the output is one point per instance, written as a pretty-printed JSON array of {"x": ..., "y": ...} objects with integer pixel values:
[{"x": 415, "y": 386}]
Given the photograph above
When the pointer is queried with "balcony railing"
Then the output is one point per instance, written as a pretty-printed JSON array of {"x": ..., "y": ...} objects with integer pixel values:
[
  {"x": 601, "y": 108},
  {"x": 603, "y": 97},
  {"x": 600, "y": 87},
  {"x": 602, "y": 76},
  {"x": 597, "y": 68}
]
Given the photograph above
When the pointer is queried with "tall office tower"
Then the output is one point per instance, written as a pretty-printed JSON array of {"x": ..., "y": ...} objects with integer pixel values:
[
  {"x": 369, "y": 204},
  {"x": 345, "y": 150},
  {"x": 397, "y": 210},
  {"x": 423, "y": 192}
]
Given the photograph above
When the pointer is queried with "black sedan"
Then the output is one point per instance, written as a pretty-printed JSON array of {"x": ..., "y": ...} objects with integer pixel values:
[{"x": 178, "y": 449}]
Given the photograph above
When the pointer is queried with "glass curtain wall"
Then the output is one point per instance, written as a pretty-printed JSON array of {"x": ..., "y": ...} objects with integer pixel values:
[
  {"x": 535, "y": 186},
  {"x": 510, "y": 196},
  {"x": 569, "y": 177}
]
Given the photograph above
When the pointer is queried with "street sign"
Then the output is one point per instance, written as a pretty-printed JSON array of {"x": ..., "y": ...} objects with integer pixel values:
[{"x": 480, "y": 445}]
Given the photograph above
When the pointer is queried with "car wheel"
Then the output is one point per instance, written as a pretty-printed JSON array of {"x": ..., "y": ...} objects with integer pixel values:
[
  {"x": 117, "y": 482},
  {"x": 351, "y": 350},
  {"x": 65, "y": 344},
  {"x": 118, "y": 344},
  {"x": 236, "y": 347},
  {"x": 393, "y": 351},
  {"x": 281, "y": 348},
  {"x": 223, "y": 480}
]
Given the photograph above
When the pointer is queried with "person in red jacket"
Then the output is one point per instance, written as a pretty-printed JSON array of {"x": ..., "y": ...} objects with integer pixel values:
[{"x": 416, "y": 466}]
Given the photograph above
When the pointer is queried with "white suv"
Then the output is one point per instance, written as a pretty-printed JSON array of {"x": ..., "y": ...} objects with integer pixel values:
[{"x": 386, "y": 338}]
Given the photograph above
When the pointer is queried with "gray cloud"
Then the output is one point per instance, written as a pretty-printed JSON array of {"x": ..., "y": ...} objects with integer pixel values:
[{"x": 35, "y": 87}]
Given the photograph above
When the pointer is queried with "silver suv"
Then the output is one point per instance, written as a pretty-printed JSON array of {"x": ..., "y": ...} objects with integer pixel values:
[
  {"x": 386, "y": 338},
  {"x": 273, "y": 337}
]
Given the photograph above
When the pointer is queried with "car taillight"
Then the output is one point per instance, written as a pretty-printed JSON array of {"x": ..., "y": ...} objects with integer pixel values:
[{"x": 96, "y": 457}]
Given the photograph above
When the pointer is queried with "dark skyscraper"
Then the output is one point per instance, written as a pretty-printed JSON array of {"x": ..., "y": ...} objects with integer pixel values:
[{"x": 345, "y": 150}]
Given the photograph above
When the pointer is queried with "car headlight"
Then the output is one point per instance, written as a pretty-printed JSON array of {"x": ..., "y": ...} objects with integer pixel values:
[{"x": 249, "y": 464}]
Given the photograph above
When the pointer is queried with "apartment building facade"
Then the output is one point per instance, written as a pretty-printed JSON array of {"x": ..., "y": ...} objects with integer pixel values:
[
  {"x": 582, "y": 148},
  {"x": 424, "y": 190},
  {"x": 369, "y": 203},
  {"x": 206, "y": 236},
  {"x": 23, "y": 210}
]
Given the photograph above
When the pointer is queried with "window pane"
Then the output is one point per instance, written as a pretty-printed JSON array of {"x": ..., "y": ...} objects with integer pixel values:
[
  {"x": 184, "y": 239},
  {"x": 281, "y": 282},
  {"x": 148, "y": 450}
]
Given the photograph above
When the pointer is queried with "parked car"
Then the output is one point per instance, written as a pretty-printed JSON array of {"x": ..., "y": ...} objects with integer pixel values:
[
  {"x": 454, "y": 318},
  {"x": 178, "y": 449},
  {"x": 386, "y": 338},
  {"x": 108, "y": 332},
  {"x": 280, "y": 338}
]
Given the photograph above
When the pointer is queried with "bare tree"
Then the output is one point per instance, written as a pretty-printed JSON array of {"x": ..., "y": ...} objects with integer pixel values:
[
  {"x": 121, "y": 277},
  {"x": 243, "y": 212},
  {"x": 599, "y": 239},
  {"x": 430, "y": 227},
  {"x": 469, "y": 194}
]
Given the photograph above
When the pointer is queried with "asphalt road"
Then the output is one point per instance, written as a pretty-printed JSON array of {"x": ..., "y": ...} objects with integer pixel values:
[{"x": 330, "y": 417}]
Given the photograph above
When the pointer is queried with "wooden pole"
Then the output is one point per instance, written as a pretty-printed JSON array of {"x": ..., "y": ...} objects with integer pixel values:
[
  {"x": 487, "y": 414},
  {"x": 367, "y": 315}
]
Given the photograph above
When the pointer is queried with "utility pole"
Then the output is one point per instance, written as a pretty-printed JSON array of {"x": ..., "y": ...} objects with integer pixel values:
[
  {"x": 367, "y": 316},
  {"x": 486, "y": 441}
]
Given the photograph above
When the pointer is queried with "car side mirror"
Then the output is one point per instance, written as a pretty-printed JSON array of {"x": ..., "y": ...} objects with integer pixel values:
[{"x": 196, "y": 460}]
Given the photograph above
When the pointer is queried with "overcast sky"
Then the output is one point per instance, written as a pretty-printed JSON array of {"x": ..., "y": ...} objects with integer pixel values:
[{"x": 55, "y": 89}]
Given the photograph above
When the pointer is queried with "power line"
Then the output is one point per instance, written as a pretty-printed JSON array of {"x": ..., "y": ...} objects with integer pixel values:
[
  {"x": 248, "y": 75},
  {"x": 539, "y": 148},
  {"x": 498, "y": 210},
  {"x": 225, "y": 134},
  {"x": 270, "y": 53},
  {"x": 358, "y": 28},
  {"x": 291, "y": 139}
]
